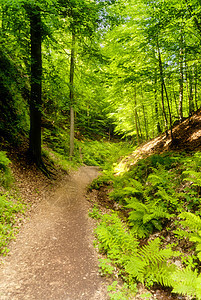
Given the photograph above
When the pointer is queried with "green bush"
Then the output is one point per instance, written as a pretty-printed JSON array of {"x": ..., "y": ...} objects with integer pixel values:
[
  {"x": 5, "y": 173},
  {"x": 8, "y": 210},
  {"x": 103, "y": 153}
]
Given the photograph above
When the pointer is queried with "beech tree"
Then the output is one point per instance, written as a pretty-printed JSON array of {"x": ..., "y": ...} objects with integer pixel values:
[
  {"x": 103, "y": 64},
  {"x": 154, "y": 51},
  {"x": 36, "y": 83}
]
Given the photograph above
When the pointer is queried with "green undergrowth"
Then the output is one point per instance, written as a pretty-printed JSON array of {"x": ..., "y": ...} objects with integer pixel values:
[
  {"x": 11, "y": 206},
  {"x": 158, "y": 213},
  {"x": 101, "y": 153},
  {"x": 104, "y": 153},
  {"x": 5, "y": 173}
]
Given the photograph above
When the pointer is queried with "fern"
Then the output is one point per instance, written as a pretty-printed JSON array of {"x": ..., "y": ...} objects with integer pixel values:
[
  {"x": 6, "y": 178},
  {"x": 150, "y": 264},
  {"x": 187, "y": 282},
  {"x": 114, "y": 237},
  {"x": 147, "y": 264},
  {"x": 193, "y": 223},
  {"x": 132, "y": 188},
  {"x": 159, "y": 177},
  {"x": 144, "y": 218},
  {"x": 194, "y": 177},
  {"x": 193, "y": 163},
  {"x": 136, "y": 268},
  {"x": 169, "y": 196}
]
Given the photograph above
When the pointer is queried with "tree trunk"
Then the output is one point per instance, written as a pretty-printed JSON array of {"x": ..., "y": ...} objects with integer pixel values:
[
  {"x": 72, "y": 114},
  {"x": 196, "y": 83},
  {"x": 156, "y": 104},
  {"x": 189, "y": 88},
  {"x": 169, "y": 110},
  {"x": 36, "y": 85},
  {"x": 162, "y": 89},
  {"x": 191, "y": 104},
  {"x": 175, "y": 100},
  {"x": 136, "y": 118},
  {"x": 181, "y": 79}
]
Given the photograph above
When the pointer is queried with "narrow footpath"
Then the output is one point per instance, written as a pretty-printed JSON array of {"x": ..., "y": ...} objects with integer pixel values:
[{"x": 53, "y": 256}]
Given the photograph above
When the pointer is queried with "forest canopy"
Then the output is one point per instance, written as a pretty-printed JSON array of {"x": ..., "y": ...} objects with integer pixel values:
[{"x": 97, "y": 68}]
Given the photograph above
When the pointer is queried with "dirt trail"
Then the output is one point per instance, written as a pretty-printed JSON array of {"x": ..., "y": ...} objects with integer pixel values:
[{"x": 53, "y": 256}]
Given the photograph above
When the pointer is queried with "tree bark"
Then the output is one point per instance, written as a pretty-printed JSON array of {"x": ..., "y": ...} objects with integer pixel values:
[
  {"x": 156, "y": 104},
  {"x": 181, "y": 79},
  {"x": 196, "y": 84},
  {"x": 169, "y": 110},
  {"x": 191, "y": 104},
  {"x": 162, "y": 89},
  {"x": 36, "y": 85},
  {"x": 136, "y": 118},
  {"x": 72, "y": 114}
]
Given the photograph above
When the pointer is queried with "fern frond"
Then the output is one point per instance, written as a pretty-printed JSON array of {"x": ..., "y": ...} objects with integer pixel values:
[
  {"x": 140, "y": 230},
  {"x": 150, "y": 264},
  {"x": 194, "y": 177},
  {"x": 159, "y": 177},
  {"x": 136, "y": 204},
  {"x": 138, "y": 185},
  {"x": 157, "y": 224},
  {"x": 158, "y": 212},
  {"x": 191, "y": 220},
  {"x": 148, "y": 216},
  {"x": 136, "y": 268},
  {"x": 150, "y": 251},
  {"x": 198, "y": 287},
  {"x": 185, "y": 282},
  {"x": 162, "y": 273},
  {"x": 113, "y": 234}
]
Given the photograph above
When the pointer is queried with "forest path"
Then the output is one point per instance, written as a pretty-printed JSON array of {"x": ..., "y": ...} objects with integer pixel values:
[{"x": 53, "y": 256}]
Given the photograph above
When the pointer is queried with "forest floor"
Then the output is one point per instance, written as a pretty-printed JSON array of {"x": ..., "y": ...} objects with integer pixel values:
[
  {"x": 53, "y": 255},
  {"x": 187, "y": 137}
]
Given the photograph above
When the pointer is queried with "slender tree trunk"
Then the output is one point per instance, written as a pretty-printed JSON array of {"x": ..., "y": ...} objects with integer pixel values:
[
  {"x": 36, "y": 85},
  {"x": 139, "y": 128},
  {"x": 136, "y": 118},
  {"x": 162, "y": 94},
  {"x": 169, "y": 110},
  {"x": 156, "y": 104},
  {"x": 181, "y": 79},
  {"x": 196, "y": 83},
  {"x": 162, "y": 89},
  {"x": 145, "y": 122},
  {"x": 189, "y": 88},
  {"x": 145, "y": 119},
  {"x": 191, "y": 104},
  {"x": 175, "y": 101},
  {"x": 72, "y": 114}
]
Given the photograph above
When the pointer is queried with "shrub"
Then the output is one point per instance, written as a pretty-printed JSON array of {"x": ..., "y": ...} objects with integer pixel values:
[{"x": 5, "y": 173}]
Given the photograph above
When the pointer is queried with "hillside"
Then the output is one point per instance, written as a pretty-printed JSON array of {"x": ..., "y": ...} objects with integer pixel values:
[
  {"x": 187, "y": 137},
  {"x": 155, "y": 196}
]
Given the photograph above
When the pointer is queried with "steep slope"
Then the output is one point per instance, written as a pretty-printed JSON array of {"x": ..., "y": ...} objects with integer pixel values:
[{"x": 187, "y": 137}]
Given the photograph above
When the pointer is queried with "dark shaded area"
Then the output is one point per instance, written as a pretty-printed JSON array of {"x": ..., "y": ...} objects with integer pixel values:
[{"x": 11, "y": 117}]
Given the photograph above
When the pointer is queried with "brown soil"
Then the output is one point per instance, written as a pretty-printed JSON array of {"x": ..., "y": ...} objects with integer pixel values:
[
  {"x": 53, "y": 255},
  {"x": 187, "y": 137}
]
